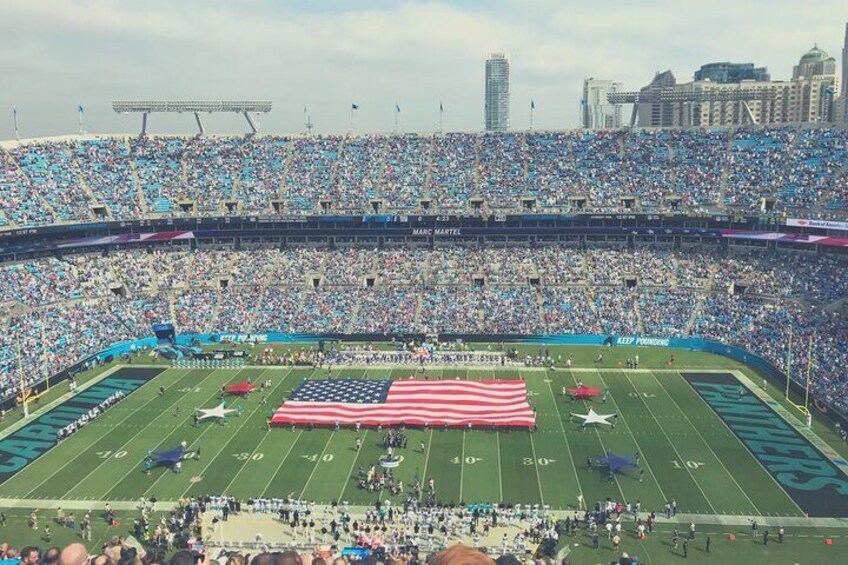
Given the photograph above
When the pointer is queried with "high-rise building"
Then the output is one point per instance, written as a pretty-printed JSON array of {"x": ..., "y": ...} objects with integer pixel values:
[
  {"x": 807, "y": 98},
  {"x": 497, "y": 92},
  {"x": 843, "y": 97},
  {"x": 732, "y": 72},
  {"x": 597, "y": 112}
]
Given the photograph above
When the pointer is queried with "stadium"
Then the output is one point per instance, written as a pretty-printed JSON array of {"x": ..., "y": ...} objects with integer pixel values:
[{"x": 203, "y": 294}]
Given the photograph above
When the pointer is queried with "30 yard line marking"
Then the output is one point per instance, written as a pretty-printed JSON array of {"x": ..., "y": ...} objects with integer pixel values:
[
  {"x": 238, "y": 429},
  {"x": 630, "y": 430},
  {"x": 197, "y": 439},
  {"x": 84, "y": 451},
  {"x": 674, "y": 447},
  {"x": 536, "y": 466},
  {"x": 565, "y": 437},
  {"x": 697, "y": 431}
]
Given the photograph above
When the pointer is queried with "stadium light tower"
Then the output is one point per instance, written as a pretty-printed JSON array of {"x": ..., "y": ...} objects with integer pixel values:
[{"x": 145, "y": 107}]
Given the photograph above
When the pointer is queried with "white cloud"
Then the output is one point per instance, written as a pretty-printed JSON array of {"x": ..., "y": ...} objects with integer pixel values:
[{"x": 58, "y": 53}]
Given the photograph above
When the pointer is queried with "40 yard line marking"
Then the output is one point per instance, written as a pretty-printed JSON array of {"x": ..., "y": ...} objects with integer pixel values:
[
  {"x": 462, "y": 465},
  {"x": 315, "y": 468},
  {"x": 352, "y": 465},
  {"x": 280, "y": 466},
  {"x": 500, "y": 472}
]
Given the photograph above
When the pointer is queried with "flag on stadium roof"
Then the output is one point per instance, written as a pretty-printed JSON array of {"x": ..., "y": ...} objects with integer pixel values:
[
  {"x": 354, "y": 106},
  {"x": 498, "y": 403}
]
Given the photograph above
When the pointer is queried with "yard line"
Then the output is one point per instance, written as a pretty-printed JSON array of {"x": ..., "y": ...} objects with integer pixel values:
[
  {"x": 426, "y": 461},
  {"x": 766, "y": 471},
  {"x": 639, "y": 447},
  {"x": 679, "y": 457},
  {"x": 603, "y": 447},
  {"x": 318, "y": 462},
  {"x": 83, "y": 452},
  {"x": 536, "y": 466},
  {"x": 697, "y": 431},
  {"x": 565, "y": 436},
  {"x": 180, "y": 424},
  {"x": 462, "y": 466},
  {"x": 350, "y": 473},
  {"x": 283, "y": 460},
  {"x": 500, "y": 472},
  {"x": 238, "y": 429}
]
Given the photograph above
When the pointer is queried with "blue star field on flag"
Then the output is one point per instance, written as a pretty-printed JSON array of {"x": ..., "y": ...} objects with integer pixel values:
[{"x": 347, "y": 391}]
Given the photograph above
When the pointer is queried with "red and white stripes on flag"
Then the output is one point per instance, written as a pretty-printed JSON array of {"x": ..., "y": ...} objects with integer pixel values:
[{"x": 489, "y": 403}]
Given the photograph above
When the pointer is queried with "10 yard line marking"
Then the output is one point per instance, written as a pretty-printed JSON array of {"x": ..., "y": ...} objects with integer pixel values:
[
  {"x": 697, "y": 431},
  {"x": 83, "y": 452},
  {"x": 639, "y": 447},
  {"x": 674, "y": 447}
]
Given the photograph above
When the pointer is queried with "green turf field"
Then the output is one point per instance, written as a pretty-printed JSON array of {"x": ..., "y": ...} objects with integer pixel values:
[{"x": 687, "y": 452}]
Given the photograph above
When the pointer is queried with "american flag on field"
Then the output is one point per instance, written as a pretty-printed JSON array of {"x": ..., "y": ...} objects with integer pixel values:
[{"x": 499, "y": 403}]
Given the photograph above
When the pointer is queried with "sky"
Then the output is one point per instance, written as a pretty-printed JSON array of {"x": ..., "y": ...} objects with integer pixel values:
[{"x": 325, "y": 55}]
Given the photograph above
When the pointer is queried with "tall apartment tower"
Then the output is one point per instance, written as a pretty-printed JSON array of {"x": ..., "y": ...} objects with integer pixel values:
[
  {"x": 844, "y": 94},
  {"x": 497, "y": 92},
  {"x": 597, "y": 112}
]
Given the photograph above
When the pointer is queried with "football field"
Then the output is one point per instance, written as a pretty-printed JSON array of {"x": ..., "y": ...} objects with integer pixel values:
[{"x": 687, "y": 452}]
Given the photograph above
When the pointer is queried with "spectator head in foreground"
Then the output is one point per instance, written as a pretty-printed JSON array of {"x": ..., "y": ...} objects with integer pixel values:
[
  {"x": 74, "y": 554},
  {"x": 461, "y": 555}
]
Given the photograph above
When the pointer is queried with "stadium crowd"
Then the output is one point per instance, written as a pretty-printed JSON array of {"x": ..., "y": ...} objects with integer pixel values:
[
  {"x": 45, "y": 182},
  {"x": 62, "y": 309}
]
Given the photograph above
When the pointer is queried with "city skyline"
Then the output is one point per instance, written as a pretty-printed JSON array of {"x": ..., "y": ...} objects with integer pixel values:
[{"x": 374, "y": 53}]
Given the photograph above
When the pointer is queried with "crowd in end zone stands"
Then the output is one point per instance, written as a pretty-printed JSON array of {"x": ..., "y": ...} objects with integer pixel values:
[
  {"x": 59, "y": 310},
  {"x": 802, "y": 169}
]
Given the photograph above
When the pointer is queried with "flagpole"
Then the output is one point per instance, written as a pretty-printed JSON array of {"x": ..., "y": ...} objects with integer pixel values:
[
  {"x": 397, "y": 111},
  {"x": 79, "y": 112},
  {"x": 441, "y": 115},
  {"x": 532, "y": 109},
  {"x": 15, "y": 121}
]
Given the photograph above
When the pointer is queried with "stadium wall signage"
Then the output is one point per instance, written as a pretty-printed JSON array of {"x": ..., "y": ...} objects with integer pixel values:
[
  {"x": 812, "y": 480},
  {"x": 822, "y": 224},
  {"x": 25, "y": 445}
]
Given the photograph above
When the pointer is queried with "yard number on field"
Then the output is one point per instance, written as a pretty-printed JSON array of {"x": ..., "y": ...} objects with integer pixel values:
[
  {"x": 248, "y": 456},
  {"x": 470, "y": 460},
  {"x": 188, "y": 389},
  {"x": 108, "y": 454},
  {"x": 326, "y": 458},
  {"x": 690, "y": 464},
  {"x": 641, "y": 394},
  {"x": 542, "y": 461}
]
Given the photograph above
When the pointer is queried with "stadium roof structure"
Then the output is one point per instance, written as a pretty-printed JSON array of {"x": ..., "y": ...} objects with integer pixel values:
[{"x": 145, "y": 107}]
